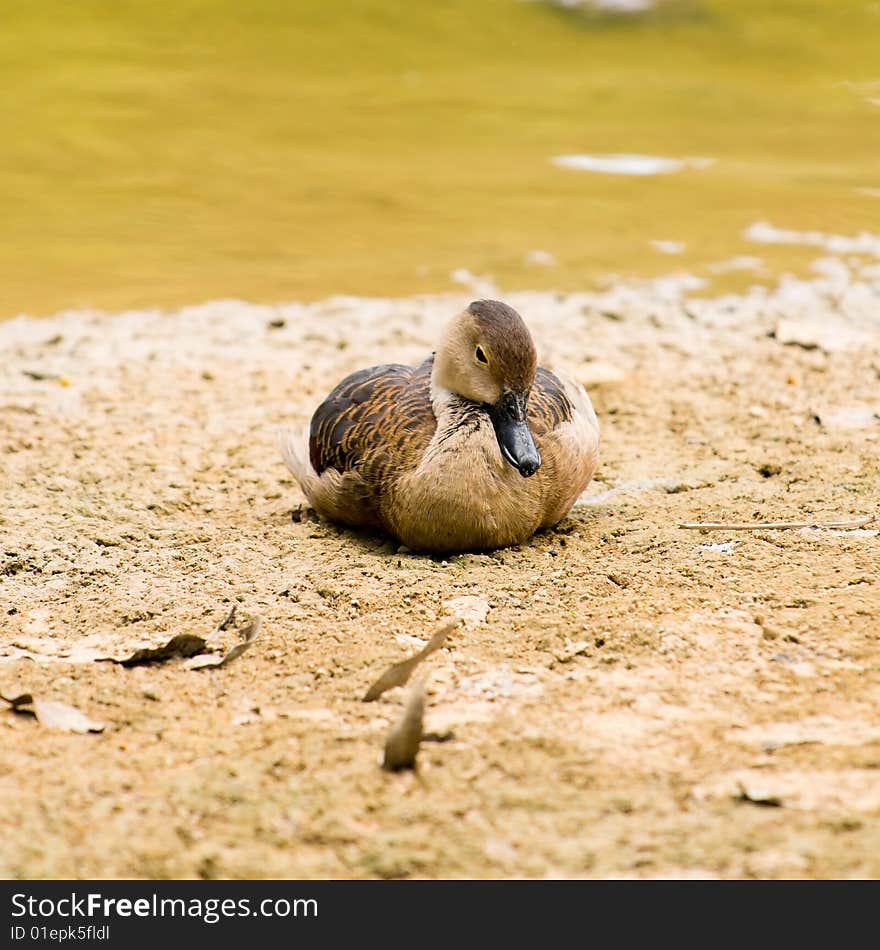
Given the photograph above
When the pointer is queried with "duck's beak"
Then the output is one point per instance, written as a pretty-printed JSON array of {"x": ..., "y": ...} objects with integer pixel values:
[{"x": 510, "y": 419}]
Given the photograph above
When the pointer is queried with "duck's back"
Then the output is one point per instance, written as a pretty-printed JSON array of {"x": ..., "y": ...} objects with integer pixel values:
[
  {"x": 374, "y": 422},
  {"x": 549, "y": 405}
]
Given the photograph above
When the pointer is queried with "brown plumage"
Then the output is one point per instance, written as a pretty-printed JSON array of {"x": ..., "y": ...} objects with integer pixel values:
[{"x": 475, "y": 448}]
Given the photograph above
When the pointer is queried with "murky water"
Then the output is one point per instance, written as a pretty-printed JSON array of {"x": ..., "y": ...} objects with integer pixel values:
[{"x": 165, "y": 153}]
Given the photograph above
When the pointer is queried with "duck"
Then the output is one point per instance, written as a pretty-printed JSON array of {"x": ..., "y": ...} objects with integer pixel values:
[{"x": 476, "y": 448}]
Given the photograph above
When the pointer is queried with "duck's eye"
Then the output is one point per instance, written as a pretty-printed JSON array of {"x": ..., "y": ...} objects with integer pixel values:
[{"x": 481, "y": 356}]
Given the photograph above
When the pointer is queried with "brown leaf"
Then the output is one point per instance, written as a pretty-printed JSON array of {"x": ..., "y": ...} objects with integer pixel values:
[
  {"x": 213, "y": 661},
  {"x": 24, "y": 699},
  {"x": 399, "y": 673},
  {"x": 402, "y": 744},
  {"x": 182, "y": 644},
  {"x": 758, "y": 796}
]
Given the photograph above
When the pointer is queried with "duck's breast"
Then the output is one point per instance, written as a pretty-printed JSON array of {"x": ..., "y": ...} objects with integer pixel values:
[{"x": 463, "y": 495}]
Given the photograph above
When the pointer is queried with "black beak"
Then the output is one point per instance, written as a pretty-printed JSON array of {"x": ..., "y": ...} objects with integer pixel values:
[{"x": 514, "y": 436}]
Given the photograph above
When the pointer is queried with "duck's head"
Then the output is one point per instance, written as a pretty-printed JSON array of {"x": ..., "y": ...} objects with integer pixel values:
[{"x": 487, "y": 356}]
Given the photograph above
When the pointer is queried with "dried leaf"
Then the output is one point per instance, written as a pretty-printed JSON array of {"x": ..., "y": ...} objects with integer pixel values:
[
  {"x": 53, "y": 714},
  {"x": 180, "y": 645},
  {"x": 248, "y": 634},
  {"x": 758, "y": 796},
  {"x": 24, "y": 699},
  {"x": 399, "y": 673},
  {"x": 849, "y": 417},
  {"x": 56, "y": 715},
  {"x": 402, "y": 744},
  {"x": 816, "y": 335},
  {"x": 839, "y": 789},
  {"x": 38, "y": 375}
]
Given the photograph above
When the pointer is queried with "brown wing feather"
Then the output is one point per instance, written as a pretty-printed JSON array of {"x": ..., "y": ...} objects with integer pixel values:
[
  {"x": 549, "y": 406},
  {"x": 373, "y": 420}
]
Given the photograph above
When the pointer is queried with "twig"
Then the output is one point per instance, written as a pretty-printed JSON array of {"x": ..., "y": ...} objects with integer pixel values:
[
  {"x": 248, "y": 634},
  {"x": 402, "y": 744},
  {"x": 399, "y": 673},
  {"x": 229, "y": 619},
  {"x": 779, "y": 525}
]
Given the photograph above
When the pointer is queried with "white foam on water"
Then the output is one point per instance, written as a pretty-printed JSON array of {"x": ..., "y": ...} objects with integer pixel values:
[
  {"x": 629, "y": 164},
  {"x": 742, "y": 262},
  {"x": 668, "y": 247},
  {"x": 762, "y": 232},
  {"x": 539, "y": 258},
  {"x": 612, "y": 6},
  {"x": 623, "y": 6},
  {"x": 868, "y": 90}
]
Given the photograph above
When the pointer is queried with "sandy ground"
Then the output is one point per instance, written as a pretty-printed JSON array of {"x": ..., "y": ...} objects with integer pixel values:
[{"x": 627, "y": 698}]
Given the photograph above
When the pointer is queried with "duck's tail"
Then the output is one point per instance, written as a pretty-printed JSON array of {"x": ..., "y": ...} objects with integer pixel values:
[
  {"x": 337, "y": 496},
  {"x": 294, "y": 448}
]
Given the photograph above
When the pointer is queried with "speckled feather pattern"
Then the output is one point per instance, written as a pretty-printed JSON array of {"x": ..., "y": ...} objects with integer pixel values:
[
  {"x": 384, "y": 415},
  {"x": 378, "y": 419},
  {"x": 378, "y": 423}
]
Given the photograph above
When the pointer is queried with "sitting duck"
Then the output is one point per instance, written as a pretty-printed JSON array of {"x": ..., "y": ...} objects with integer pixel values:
[{"x": 476, "y": 448}]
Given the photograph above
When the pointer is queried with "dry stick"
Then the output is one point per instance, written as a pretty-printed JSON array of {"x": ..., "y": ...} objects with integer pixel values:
[
  {"x": 399, "y": 673},
  {"x": 248, "y": 634},
  {"x": 779, "y": 525},
  {"x": 402, "y": 744}
]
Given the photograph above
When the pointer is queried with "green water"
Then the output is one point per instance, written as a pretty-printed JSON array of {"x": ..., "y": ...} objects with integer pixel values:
[{"x": 158, "y": 153}]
